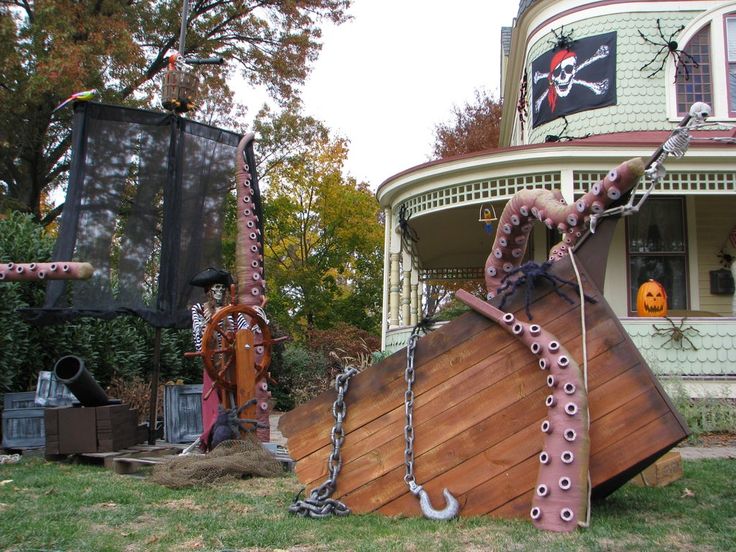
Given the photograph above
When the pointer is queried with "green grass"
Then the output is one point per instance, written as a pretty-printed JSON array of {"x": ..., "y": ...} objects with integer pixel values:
[{"x": 56, "y": 506}]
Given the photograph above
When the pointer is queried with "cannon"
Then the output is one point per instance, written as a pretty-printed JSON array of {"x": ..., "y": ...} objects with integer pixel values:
[{"x": 70, "y": 371}]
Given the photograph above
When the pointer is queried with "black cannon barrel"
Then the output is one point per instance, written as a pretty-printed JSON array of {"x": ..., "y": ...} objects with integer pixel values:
[{"x": 70, "y": 371}]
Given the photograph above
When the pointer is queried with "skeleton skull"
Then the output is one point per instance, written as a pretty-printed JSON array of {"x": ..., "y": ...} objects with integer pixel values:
[
  {"x": 217, "y": 293},
  {"x": 563, "y": 75}
]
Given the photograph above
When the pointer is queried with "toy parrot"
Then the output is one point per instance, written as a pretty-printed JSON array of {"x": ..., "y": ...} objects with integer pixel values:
[{"x": 84, "y": 96}]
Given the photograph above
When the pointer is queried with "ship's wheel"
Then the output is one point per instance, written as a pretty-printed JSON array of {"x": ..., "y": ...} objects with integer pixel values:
[{"x": 218, "y": 343}]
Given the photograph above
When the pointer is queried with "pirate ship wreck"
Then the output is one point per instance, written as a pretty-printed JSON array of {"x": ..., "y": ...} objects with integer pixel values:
[{"x": 500, "y": 416}]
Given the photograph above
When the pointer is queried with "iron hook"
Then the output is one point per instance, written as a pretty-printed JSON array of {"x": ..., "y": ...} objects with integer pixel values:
[{"x": 450, "y": 510}]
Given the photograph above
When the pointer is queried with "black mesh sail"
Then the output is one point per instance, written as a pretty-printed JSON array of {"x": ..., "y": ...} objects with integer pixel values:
[{"x": 145, "y": 206}]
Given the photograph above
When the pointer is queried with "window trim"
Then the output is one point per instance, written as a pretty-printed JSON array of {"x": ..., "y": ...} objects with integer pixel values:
[
  {"x": 715, "y": 16},
  {"x": 727, "y": 63},
  {"x": 686, "y": 256}
]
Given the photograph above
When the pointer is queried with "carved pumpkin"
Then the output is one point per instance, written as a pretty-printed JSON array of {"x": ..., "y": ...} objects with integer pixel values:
[{"x": 651, "y": 299}]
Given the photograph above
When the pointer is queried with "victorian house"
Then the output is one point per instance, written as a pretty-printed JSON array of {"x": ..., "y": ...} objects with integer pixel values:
[{"x": 587, "y": 85}]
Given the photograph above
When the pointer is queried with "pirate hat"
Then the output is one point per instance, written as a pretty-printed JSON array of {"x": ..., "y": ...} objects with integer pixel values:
[{"x": 211, "y": 276}]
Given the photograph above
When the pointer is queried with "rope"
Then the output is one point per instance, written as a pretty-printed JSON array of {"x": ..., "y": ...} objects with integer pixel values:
[
  {"x": 584, "y": 336},
  {"x": 9, "y": 458}
]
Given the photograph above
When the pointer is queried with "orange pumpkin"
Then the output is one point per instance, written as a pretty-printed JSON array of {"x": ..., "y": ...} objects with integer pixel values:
[{"x": 651, "y": 299}]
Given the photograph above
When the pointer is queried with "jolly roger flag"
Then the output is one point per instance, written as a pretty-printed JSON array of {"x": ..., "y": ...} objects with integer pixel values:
[{"x": 575, "y": 79}]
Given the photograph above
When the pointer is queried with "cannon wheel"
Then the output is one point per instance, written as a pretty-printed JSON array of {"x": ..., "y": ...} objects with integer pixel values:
[{"x": 218, "y": 344}]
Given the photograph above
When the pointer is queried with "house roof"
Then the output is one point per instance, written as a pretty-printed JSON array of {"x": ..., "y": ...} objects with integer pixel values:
[{"x": 701, "y": 138}]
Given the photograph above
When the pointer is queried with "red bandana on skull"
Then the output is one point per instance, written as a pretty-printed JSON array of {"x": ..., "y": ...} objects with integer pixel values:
[{"x": 558, "y": 58}]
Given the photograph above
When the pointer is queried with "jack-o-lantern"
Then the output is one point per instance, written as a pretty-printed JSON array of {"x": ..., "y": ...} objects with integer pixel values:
[{"x": 651, "y": 299}]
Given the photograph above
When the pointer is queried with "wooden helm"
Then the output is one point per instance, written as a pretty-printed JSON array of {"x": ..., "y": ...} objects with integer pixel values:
[{"x": 218, "y": 343}]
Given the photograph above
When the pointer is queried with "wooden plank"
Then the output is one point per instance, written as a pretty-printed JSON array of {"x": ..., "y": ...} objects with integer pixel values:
[
  {"x": 453, "y": 334},
  {"x": 310, "y": 423},
  {"x": 445, "y": 366},
  {"x": 544, "y": 311},
  {"x": 524, "y": 416},
  {"x": 446, "y": 402},
  {"x": 245, "y": 372},
  {"x": 126, "y": 465}
]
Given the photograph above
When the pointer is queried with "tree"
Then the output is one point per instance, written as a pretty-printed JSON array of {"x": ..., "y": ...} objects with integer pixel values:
[
  {"x": 473, "y": 127},
  {"x": 322, "y": 230},
  {"x": 52, "y": 48}
]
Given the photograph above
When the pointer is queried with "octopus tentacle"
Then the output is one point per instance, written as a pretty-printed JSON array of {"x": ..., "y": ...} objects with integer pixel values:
[
  {"x": 13, "y": 272},
  {"x": 249, "y": 269},
  {"x": 560, "y": 499},
  {"x": 548, "y": 207}
]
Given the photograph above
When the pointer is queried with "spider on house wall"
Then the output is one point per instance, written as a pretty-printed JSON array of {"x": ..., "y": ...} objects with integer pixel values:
[
  {"x": 669, "y": 47},
  {"x": 562, "y": 41},
  {"x": 676, "y": 333}
]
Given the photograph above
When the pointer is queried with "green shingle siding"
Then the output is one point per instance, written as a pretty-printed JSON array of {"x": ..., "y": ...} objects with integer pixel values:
[{"x": 641, "y": 100}]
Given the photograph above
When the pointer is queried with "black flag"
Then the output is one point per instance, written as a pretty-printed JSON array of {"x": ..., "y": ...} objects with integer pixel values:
[{"x": 574, "y": 79}]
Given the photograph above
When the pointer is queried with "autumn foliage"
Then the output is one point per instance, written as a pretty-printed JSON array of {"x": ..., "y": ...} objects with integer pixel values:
[{"x": 473, "y": 127}]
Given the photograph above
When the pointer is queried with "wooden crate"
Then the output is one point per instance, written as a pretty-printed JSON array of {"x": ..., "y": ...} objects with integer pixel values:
[
  {"x": 663, "y": 472},
  {"x": 182, "y": 413},
  {"x": 75, "y": 430},
  {"x": 479, "y": 403},
  {"x": 25, "y": 399},
  {"x": 23, "y": 428},
  {"x": 51, "y": 392}
]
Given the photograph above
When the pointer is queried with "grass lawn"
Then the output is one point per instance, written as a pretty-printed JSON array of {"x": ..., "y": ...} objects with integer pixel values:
[{"x": 57, "y": 506}]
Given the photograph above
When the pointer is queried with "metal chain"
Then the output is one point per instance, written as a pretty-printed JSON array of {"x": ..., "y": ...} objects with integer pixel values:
[
  {"x": 409, "y": 413},
  {"x": 319, "y": 504}
]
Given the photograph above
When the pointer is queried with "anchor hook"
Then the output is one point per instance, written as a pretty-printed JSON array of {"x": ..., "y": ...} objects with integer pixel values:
[{"x": 450, "y": 510}]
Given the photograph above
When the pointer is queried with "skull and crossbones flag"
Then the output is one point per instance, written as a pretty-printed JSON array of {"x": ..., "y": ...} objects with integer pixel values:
[{"x": 574, "y": 79}]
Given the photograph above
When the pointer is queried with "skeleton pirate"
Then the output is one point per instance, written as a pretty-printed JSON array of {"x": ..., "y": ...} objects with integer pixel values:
[{"x": 216, "y": 283}]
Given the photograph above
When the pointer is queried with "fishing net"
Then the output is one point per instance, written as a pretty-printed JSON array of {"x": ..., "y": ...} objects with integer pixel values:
[{"x": 228, "y": 461}]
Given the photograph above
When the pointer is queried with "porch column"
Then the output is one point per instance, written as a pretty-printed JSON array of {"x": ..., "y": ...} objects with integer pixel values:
[
  {"x": 567, "y": 186},
  {"x": 393, "y": 316},
  {"x": 386, "y": 275},
  {"x": 420, "y": 295},
  {"x": 406, "y": 289},
  {"x": 414, "y": 315}
]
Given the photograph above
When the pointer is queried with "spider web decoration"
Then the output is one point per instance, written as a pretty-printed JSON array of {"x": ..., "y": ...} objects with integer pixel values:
[{"x": 670, "y": 48}]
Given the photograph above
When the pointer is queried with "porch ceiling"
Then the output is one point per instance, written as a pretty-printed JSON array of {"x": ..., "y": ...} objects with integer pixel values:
[{"x": 452, "y": 238}]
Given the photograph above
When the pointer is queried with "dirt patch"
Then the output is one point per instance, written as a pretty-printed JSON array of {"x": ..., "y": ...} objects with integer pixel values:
[
  {"x": 716, "y": 440},
  {"x": 183, "y": 504}
]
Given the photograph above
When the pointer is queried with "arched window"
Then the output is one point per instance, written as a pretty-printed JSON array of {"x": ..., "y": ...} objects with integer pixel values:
[
  {"x": 694, "y": 82},
  {"x": 731, "y": 62}
]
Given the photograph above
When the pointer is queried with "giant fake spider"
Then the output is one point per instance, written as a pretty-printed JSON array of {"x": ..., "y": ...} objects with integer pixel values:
[
  {"x": 562, "y": 137},
  {"x": 229, "y": 424},
  {"x": 409, "y": 236},
  {"x": 562, "y": 41},
  {"x": 676, "y": 333},
  {"x": 669, "y": 47},
  {"x": 531, "y": 273}
]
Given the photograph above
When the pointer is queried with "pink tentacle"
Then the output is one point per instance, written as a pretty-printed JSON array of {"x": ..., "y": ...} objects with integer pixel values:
[
  {"x": 249, "y": 269},
  {"x": 560, "y": 499},
  {"x": 549, "y": 207},
  {"x": 59, "y": 270}
]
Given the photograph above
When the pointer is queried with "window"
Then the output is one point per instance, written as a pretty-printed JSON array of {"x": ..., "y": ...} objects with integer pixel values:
[
  {"x": 657, "y": 250},
  {"x": 693, "y": 82},
  {"x": 731, "y": 63}
]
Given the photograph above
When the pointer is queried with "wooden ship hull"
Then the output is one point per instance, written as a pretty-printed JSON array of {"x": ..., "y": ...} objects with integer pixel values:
[{"x": 479, "y": 403}]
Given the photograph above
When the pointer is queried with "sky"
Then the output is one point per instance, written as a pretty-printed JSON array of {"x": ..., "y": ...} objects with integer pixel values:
[{"x": 385, "y": 79}]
